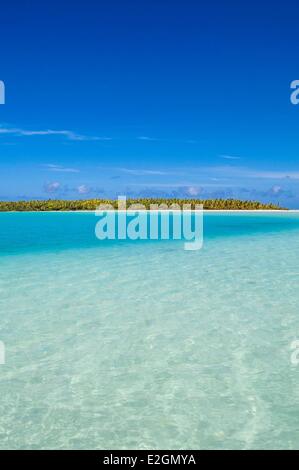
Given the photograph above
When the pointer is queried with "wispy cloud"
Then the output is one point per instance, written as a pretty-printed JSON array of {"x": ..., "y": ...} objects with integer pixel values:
[
  {"x": 83, "y": 189},
  {"x": 144, "y": 137},
  {"x": 139, "y": 171},
  {"x": 155, "y": 139},
  {"x": 52, "y": 187},
  {"x": 193, "y": 190},
  {"x": 230, "y": 157},
  {"x": 59, "y": 168},
  {"x": 274, "y": 174},
  {"x": 244, "y": 172},
  {"x": 142, "y": 172},
  {"x": 181, "y": 185},
  {"x": 70, "y": 135}
]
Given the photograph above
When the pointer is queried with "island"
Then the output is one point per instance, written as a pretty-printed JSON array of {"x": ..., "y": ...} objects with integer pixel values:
[{"x": 93, "y": 204}]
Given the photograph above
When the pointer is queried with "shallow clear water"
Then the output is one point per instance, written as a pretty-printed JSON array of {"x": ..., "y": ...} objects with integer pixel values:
[{"x": 145, "y": 345}]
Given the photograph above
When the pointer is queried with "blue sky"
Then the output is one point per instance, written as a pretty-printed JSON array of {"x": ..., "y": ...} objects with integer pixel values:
[{"x": 149, "y": 98}]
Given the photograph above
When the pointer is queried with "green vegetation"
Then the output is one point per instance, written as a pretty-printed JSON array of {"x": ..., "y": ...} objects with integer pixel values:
[{"x": 92, "y": 204}]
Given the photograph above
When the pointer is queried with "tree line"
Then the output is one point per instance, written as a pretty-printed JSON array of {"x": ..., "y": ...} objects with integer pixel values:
[{"x": 92, "y": 204}]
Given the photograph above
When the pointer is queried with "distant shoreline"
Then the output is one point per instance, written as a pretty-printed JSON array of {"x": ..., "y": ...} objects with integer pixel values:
[
  {"x": 211, "y": 211},
  {"x": 156, "y": 204}
]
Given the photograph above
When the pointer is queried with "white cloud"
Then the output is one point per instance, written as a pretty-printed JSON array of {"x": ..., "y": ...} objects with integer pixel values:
[
  {"x": 276, "y": 189},
  {"x": 70, "y": 135},
  {"x": 52, "y": 187},
  {"x": 155, "y": 139},
  {"x": 193, "y": 190},
  {"x": 229, "y": 157},
  {"x": 83, "y": 189},
  {"x": 141, "y": 172},
  {"x": 144, "y": 137},
  {"x": 182, "y": 185},
  {"x": 59, "y": 168},
  {"x": 229, "y": 172}
]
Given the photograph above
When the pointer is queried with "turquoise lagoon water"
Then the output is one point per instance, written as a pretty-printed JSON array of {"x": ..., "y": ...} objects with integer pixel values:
[{"x": 144, "y": 345}]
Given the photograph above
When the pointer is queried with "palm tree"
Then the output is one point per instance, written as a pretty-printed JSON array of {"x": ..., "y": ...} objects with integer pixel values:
[{"x": 92, "y": 204}]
